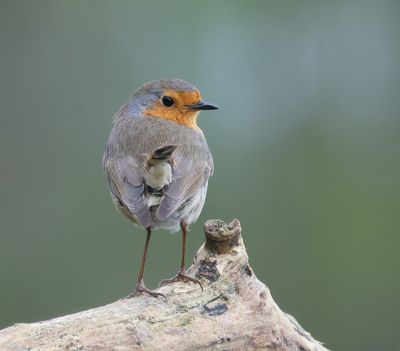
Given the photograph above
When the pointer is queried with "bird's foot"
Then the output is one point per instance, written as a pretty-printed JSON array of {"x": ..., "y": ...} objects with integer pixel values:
[
  {"x": 182, "y": 276},
  {"x": 142, "y": 289}
]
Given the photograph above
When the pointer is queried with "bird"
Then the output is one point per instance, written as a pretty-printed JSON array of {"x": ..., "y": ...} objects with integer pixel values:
[{"x": 158, "y": 163}]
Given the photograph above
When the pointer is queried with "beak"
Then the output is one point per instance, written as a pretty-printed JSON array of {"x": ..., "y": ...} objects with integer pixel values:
[{"x": 202, "y": 106}]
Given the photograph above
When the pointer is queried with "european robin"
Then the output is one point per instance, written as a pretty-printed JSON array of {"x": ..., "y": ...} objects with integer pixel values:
[{"x": 157, "y": 163}]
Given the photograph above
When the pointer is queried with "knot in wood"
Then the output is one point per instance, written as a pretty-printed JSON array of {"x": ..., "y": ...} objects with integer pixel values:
[{"x": 221, "y": 237}]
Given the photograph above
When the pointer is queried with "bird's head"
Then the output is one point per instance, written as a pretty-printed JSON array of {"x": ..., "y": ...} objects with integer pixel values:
[{"x": 173, "y": 100}]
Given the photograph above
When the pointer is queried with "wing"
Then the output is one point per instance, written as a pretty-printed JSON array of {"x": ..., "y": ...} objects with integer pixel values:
[
  {"x": 187, "y": 178},
  {"x": 127, "y": 185}
]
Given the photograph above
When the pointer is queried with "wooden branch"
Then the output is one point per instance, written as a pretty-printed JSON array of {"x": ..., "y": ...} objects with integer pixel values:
[{"x": 234, "y": 312}]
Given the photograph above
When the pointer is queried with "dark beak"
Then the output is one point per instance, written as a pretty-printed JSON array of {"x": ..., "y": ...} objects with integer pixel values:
[{"x": 202, "y": 106}]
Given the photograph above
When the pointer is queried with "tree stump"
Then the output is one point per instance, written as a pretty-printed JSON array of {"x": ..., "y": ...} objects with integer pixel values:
[{"x": 234, "y": 312}]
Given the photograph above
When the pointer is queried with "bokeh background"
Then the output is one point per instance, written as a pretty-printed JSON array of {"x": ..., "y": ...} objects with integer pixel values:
[{"x": 306, "y": 148}]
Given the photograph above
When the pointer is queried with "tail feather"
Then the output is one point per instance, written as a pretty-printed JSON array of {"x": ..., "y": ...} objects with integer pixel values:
[{"x": 164, "y": 153}]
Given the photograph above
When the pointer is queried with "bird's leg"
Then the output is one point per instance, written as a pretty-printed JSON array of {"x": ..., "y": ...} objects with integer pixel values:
[
  {"x": 140, "y": 287},
  {"x": 182, "y": 275}
]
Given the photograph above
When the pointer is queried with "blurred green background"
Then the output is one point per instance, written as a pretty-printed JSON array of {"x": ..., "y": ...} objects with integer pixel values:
[{"x": 306, "y": 148}]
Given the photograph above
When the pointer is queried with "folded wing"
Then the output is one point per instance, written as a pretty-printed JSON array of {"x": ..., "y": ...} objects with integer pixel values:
[
  {"x": 187, "y": 178},
  {"x": 127, "y": 185}
]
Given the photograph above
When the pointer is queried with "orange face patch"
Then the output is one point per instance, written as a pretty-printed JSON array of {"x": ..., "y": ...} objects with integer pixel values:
[{"x": 178, "y": 112}]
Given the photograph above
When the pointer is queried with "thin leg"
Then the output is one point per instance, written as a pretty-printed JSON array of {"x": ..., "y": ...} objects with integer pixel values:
[
  {"x": 182, "y": 275},
  {"x": 184, "y": 232},
  {"x": 140, "y": 287},
  {"x": 146, "y": 247}
]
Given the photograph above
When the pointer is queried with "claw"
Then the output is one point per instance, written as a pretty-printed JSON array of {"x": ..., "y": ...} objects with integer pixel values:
[
  {"x": 142, "y": 289},
  {"x": 181, "y": 277}
]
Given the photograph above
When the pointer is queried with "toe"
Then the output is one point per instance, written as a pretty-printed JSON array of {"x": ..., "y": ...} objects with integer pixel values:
[
  {"x": 142, "y": 289},
  {"x": 181, "y": 277}
]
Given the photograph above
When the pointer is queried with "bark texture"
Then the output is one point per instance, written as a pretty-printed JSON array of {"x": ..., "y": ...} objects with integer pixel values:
[{"x": 234, "y": 312}]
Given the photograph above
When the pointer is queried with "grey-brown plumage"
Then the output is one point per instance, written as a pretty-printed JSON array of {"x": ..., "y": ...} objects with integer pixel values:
[
  {"x": 156, "y": 160},
  {"x": 127, "y": 162}
]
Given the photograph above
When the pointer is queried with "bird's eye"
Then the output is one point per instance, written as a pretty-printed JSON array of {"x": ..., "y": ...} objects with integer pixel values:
[{"x": 167, "y": 101}]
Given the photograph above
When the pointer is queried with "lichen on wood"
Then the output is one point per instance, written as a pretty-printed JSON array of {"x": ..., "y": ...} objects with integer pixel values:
[{"x": 234, "y": 312}]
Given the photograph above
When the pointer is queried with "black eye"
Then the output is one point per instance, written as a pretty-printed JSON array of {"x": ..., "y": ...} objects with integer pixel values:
[{"x": 167, "y": 101}]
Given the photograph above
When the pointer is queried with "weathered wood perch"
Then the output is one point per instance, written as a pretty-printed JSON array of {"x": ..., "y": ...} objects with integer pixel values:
[{"x": 234, "y": 312}]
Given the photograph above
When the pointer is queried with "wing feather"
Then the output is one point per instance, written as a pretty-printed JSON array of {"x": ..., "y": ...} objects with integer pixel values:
[
  {"x": 127, "y": 185},
  {"x": 187, "y": 179}
]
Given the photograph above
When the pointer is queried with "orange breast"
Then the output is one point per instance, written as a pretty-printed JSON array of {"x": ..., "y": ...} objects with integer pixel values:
[{"x": 178, "y": 113}]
